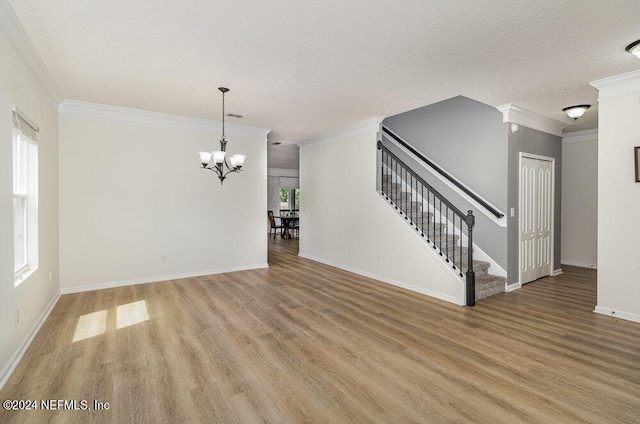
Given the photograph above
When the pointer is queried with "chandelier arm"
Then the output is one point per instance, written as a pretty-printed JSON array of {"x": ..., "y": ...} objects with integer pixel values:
[
  {"x": 218, "y": 170},
  {"x": 226, "y": 163},
  {"x": 230, "y": 168},
  {"x": 215, "y": 169},
  {"x": 230, "y": 171}
]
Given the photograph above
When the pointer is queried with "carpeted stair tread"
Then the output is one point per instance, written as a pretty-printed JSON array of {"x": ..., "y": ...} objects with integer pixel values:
[
  {"x": 488, "y": 285},
  {"x": 479, "y": 267}
]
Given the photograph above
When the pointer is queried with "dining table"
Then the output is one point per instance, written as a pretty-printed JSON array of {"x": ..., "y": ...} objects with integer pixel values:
[{"x": 288, "y": 222}]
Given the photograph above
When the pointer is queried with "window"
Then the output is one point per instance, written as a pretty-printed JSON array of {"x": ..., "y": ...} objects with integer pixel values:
[
  {"x": 284, "y": 198},
  {"x": 296, "y": 198},
  {"x": 289, "y": 198},
  {"x": 25, "y": 197}
]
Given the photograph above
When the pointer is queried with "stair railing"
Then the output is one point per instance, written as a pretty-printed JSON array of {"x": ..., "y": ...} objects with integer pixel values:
[
  {"x": 406, "y": 190},
  {"x": 444, "y": 174}
]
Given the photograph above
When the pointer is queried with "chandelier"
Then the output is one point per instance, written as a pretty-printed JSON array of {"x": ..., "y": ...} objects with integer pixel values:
[{"x": 218, "y": 161}]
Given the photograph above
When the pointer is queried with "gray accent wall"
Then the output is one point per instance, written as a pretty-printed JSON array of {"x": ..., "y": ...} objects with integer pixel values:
[
  {"x": 539, "y": 143},
  {"x": 469, "y": 140},
  {"x": 465, "y": 137}
]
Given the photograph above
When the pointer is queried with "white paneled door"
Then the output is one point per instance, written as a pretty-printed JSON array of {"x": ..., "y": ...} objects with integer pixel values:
[{"x": 536, "y": 218}]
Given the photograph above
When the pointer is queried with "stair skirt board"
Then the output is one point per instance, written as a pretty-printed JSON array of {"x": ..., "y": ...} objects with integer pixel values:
[{"x": 486, "y": 284}]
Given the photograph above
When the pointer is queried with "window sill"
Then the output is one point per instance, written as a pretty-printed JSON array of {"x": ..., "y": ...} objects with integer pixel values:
[{"x": 23, "y": 275}]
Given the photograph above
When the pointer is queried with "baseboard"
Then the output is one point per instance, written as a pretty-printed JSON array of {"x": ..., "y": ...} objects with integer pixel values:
[
  {"x": 628, "y": 316},
  {"x": 512, "y": 287},
  {"x": 393, "y": 282},
  {"x": 110, "y": 285},
  {"x": 556, "y": 272},
  {"x": 26, "y": 342},
  {"x": 580, "y": 264}
]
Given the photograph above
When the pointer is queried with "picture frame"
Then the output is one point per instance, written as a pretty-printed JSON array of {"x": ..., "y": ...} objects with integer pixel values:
[{"x": 636, "y": 155}]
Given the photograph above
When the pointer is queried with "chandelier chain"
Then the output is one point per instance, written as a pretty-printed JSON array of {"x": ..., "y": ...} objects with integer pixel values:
[{"x": 223, "y": 136}]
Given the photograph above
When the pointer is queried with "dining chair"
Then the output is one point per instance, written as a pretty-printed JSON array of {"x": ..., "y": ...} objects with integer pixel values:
[
  {"x": 272, "y": 224},
  {"x": 295, "y": 227}
]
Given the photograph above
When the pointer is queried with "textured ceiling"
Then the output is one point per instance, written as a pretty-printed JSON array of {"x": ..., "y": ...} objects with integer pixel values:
[{"x": 304, "y": 68}]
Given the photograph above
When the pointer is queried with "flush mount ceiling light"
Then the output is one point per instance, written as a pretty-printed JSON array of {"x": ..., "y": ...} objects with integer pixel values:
[
  {"x": 634, "y": 48},
  {"x": 576, "y": 111},
  {"x": 222, "y": 164}
]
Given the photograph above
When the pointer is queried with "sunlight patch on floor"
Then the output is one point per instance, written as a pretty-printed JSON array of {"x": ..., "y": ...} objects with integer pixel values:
[
  {"x": 95, "y": 323},
  {"x": 91, "y": 325},
  {"x": 131, "y": 314}
]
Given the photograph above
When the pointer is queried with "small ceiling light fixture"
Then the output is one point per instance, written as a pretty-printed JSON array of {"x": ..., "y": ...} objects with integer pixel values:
[
  {"x": 634, "y": 48},
  {"x": 222, "y": 165},
  {"x": 576, "y": 111}
]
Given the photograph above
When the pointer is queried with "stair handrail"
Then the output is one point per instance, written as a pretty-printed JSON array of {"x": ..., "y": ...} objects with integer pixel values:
[
  {"x": 396, "y": 166},
  {"x": 445, "y": 174}
]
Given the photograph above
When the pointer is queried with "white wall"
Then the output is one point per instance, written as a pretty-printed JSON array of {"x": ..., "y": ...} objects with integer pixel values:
[
  {"x": 618, "y": 197},
  {"x": 288, "y": 178},
  {"x": 131, "y": 194},
  {"x": 34, "y": 294},
  {"x": 580, "y": 199},
  {"x": 348, "y": 224}
]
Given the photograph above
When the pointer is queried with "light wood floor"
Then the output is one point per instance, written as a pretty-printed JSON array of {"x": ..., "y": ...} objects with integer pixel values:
[{"x": 303, "y": 342}]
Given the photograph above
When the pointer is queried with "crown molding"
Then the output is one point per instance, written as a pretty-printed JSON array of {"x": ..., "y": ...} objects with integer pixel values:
[
  {"x": 617, "y": 86},
  {"x": 142, "y": 117},
  {"x": 19, "y": 41},
  {"x": 282, "y": 172},
  {"x": 517, "y": 115},
  {"x": 368, "y": 125},
  {"x": 579, "y": 136}
]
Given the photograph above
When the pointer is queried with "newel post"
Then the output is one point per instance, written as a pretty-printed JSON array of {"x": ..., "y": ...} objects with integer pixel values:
[{"x": 471, "y": 275}]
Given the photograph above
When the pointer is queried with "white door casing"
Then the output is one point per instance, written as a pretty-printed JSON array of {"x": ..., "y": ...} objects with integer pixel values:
[{"x": 536, "y": 208}]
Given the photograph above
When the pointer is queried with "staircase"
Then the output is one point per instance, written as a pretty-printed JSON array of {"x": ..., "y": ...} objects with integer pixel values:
[{"x": 439, "y": 223}]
